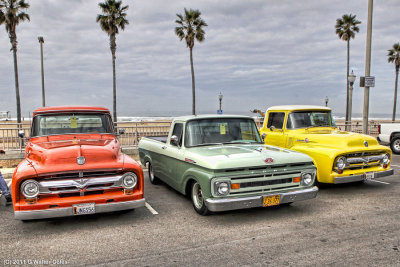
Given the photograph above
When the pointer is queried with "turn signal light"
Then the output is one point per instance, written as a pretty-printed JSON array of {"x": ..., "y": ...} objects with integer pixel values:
[
  {"x": 128, "y": 191},
  {"x": 296, "y": 179},
  {"x": 385, "y": 166},
  {"x": 235, "y": 186},
  {"x": 339, "y": 171}
]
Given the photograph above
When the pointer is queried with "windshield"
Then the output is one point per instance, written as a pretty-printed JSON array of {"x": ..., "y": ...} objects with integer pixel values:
[
  {"x": 305, "y": 119},
  {"x": 221, "y": 130},
  {"x": 56, "y": 124}
]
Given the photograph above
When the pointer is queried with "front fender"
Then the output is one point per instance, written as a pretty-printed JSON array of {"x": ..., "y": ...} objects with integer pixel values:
[
  {"x": 202, "y": 176},
  {"x": 323, "y": 158},
  {"x": 24, "y": 171}
]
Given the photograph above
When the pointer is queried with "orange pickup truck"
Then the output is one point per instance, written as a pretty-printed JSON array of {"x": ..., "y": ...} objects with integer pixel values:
[{"x": 74, "y": 166}]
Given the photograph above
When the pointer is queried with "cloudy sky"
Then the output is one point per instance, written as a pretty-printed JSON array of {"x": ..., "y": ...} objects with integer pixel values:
[{"x": 258, "y": 53}]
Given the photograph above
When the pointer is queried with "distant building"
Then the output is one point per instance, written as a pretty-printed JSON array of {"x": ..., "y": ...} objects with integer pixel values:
[{"x": 4, "y": 115}]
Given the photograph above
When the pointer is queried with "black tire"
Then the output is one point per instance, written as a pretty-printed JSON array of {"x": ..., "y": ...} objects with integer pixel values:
[
  {"x": 395, "y": 145},
  {"x": 152, "y": 178},
  {"x": 198, "y": 202}
]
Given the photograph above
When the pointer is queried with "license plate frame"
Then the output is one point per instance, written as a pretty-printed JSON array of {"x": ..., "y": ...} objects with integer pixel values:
[
  {"x": 369, "y": 175},
  {"x": 84, "y": 209},
  {"x": 273, "y": 200}
]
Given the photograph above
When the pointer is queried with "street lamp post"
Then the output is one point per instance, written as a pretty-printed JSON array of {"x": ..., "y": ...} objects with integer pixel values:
[
  {"x": 326, "y": 101},
  {"x": 367, "y": 67},
  {"x": 220, "y": 102},
  {"x": 351, "y": 79},
  {"x": 41, "y": 41}
]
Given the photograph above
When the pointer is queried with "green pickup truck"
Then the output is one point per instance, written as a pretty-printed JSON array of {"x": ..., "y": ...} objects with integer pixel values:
[{"x": 222, "y": 164}]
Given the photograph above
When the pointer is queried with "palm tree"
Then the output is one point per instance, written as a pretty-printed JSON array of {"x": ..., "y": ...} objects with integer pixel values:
[
  {"x": 346, "y": 27},
  {"x": 191, "y": 28},
  {"x": 112, "y": 19},
  {"x": 11, "y": 14},
  {"x": 394, "y": 57}
]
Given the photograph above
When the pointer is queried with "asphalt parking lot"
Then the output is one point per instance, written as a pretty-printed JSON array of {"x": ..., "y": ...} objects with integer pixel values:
[{"x": 350, "y": 224}]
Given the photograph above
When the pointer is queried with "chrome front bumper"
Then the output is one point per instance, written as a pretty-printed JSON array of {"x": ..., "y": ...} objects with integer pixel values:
[
  {"x": 257, "y": 201},
  {"x": 362, "y": 177},
  {"x": 64, "y": 212}
]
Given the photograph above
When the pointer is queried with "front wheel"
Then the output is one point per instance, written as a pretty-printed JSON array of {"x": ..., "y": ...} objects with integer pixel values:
[
  {"x": 198, "y": 200},
  {"x": 395, "y": 145},
  {"x": 153, "y": 179}
]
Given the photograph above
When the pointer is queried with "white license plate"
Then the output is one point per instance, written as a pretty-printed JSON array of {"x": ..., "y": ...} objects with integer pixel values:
[
  {"x": 81, "y": 209},
  {"x": 369, "y": 175}
]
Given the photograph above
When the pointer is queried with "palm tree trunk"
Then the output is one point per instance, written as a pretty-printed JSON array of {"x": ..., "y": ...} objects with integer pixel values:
[
  {"x": 193, "y": 84},
  {"x": 13, "y": 39},
  {"x": 395, "y": 94},
  {"x": 347, "y": 127},
  {"x": 113, "y": 47}
]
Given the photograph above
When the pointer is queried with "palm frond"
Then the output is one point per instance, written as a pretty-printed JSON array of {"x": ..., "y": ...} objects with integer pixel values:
[{"x": 190, "y": 27}]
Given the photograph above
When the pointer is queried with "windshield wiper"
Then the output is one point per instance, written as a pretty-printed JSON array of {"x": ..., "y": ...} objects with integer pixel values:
[
  {"x": 207, "y": 144},
  {"x": 242, "y": 142}
]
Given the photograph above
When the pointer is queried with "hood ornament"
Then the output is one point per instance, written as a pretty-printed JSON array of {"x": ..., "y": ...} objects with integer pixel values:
[
  {"x": 269, "y": 160},
  {"x": 81, "y": 160},
  {"x": 365, "y": 143}
]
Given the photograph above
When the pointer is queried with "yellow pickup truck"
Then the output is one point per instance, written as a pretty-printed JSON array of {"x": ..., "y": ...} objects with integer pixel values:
[{"x": 340, "y": 157}]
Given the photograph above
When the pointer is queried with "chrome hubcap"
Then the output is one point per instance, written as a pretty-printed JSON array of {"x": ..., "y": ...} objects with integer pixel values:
[
  {"x": 197, "y": 196},
  {"x": 396, "y": 144},
  {"x": 151, "y": 173}
]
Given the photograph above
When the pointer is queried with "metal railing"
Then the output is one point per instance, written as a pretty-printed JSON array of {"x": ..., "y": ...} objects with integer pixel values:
[{"x": 134, "y": 131}]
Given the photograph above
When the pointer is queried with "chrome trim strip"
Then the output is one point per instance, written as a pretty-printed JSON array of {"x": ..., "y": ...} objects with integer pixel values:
[
  {"x": 80, "y": 184},
  {"x": 224, "y": 204},
  {"x": 361, "y": 177},
  {"x": 64, "y": 212}
]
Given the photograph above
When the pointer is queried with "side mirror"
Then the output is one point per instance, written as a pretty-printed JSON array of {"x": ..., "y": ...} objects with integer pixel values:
[
  {"x": 121, "y": 130},
  {"x": 21, "y": 134},
  {"x": 272, "y": 128},
  {"x": 263, "y": 136},
  {"x": 174, "y": 140}
]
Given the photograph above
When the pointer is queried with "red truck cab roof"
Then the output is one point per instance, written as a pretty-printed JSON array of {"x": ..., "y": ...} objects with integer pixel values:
[{"x": 69, "y": 109}]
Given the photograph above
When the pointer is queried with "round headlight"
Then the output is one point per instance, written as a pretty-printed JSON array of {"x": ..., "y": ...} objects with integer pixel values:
[
  {"x": 341, "y": 163},
  {"x": 223, "y": 188},
  {"x": 306, "y": 178},
  {"x": 130, "y": 180},
  {"x": 386, "y": 158},
  {"x": 30, "y": 188}
]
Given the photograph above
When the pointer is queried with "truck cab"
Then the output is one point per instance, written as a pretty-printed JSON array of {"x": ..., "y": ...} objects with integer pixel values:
[{"x": 339, "y": 156}]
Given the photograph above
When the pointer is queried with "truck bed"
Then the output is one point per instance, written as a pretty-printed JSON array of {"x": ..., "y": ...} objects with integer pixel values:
[{"x": 162, "y": 138}]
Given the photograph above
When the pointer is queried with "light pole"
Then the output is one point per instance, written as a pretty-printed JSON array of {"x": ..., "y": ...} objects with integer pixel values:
[
  {"x": 41, "y": 41},
  {"x": 351, "y": 79},
  {"x": 326, "y": 101},
  {"x": 367, "y": 67},
  {"x": 220, "y": 96}
]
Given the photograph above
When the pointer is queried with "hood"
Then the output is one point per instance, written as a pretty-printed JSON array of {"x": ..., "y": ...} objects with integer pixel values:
[
  {"x": 332, "y": 138},
  {"x": 62, "y": 155},
  {"x": 241, "y": 156}
]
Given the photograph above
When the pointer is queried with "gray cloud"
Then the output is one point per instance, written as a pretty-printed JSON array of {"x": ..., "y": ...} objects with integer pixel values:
[{"x": 257, "y": 53}]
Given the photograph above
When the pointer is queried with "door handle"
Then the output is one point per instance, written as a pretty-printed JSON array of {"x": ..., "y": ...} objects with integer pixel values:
[{"x": 164, "y": 147}]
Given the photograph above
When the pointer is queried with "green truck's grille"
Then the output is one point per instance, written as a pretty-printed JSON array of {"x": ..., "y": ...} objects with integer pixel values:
[{"x": 264, "y": 183}]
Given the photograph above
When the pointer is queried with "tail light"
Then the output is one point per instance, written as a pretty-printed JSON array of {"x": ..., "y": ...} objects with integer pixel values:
[{"x": 379, "y": 129}]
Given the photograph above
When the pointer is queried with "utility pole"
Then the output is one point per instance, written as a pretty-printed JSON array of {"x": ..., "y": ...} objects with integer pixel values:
[
  {"x": 367, "y": 67},
  {"x": 41, "y": 41}
]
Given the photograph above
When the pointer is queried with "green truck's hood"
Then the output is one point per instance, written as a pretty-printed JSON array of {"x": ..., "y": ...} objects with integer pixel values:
[{"x": 242, "y": 156}]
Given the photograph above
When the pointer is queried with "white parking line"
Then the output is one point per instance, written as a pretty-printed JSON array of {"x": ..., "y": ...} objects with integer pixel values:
[
  {"x": 378, "y": 182},
  {"x": 150, "y": 208},
  {"x": 395, "y": 165}
]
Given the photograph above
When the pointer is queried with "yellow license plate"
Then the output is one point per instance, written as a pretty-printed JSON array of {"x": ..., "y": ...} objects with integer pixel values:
[{"x": 271, "y": 200}]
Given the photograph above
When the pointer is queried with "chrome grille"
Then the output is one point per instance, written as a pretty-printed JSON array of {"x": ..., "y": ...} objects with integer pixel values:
[
  {"x": 79, "y": 185},
  {"x": 364, "y": 160},
  {"x": 265, "y": 182}
]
